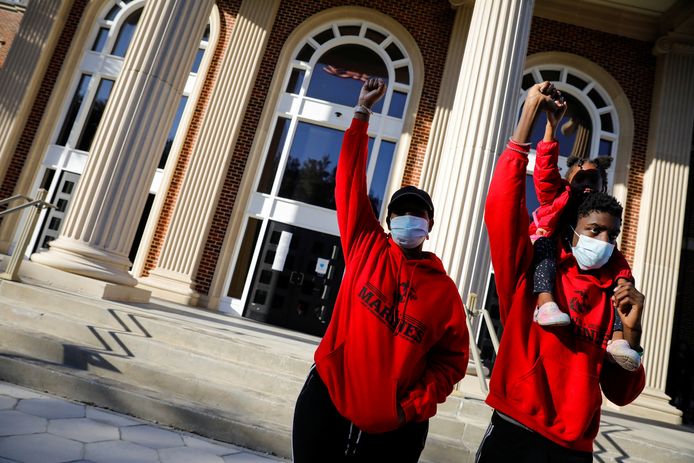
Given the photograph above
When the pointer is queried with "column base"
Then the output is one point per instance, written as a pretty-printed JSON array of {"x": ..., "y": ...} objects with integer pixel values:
[
  {"x": 652, "y": 404},
  {"x": 171, "y": 286},
  {"x": 5, "y": 246},
  {"x": 76, "y": 257},
  {"x": 33, "y": 273}
]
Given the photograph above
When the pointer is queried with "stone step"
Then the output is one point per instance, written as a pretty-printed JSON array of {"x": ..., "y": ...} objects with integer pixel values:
[
  {"x": 82, "y": 386},
  {"x": 440, "y": 449},
  {"x": 233, "y": 339},
  {"x": 115, "y": 343},
  {"x": 55, "y": 340},
  {"x": 254, "y": 404}
]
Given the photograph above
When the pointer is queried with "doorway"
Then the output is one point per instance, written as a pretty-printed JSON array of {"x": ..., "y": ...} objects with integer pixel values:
[{"x": 296, "y": 280}]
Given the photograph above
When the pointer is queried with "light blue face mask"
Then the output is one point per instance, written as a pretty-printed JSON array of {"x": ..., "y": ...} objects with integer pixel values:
[
  {"x": 409, "y": 231},
  {"x": 591, "y": 253}
]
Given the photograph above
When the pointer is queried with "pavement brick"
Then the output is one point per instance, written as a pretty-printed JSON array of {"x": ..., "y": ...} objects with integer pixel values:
[
  {"x": 14, "y": 423},
  {"x": 209, "y": 447},
  {"x": 246, "y": 457},
  {"x": 120, "y": 452},
  {"x": 83, "y": 430},
  {"x": 18, "y": 392},
  {"x": 112, "y": 418},
  {"x": 187, "y": 455},
  {"x": 151, "y": 437},
  {"x": 40, "y": 448},
  {"x": 7, "y": 403},
  {"x": 51, "y": 408}
]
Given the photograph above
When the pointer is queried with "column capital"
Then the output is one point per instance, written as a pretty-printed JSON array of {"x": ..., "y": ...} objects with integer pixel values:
[
  {"x": 674, "y": 43},
  {"x": 458, "y": 3}
]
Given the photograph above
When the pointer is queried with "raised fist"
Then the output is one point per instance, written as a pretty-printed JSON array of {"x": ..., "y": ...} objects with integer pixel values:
[{"x": 372, "y": 91}]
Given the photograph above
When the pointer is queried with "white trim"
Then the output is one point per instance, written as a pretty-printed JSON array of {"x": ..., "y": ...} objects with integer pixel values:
[{"x": 301, "y": 108}]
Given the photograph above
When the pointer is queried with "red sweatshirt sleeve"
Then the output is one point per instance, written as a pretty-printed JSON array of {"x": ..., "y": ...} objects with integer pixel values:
[
  {"x": 621, "y": 266},
  {"x": 446, "y": 366},
  {"x": 506, "y": 216},
  {"x": 546, "y": 175},
  {"x": 620, "y": 386},
  {"x": 355, "y": 217}
]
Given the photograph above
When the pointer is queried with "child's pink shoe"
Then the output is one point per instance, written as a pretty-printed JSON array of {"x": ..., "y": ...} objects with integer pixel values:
[
  {"x": 621, "y": 353},
  {"x": 549, "y": 314}
]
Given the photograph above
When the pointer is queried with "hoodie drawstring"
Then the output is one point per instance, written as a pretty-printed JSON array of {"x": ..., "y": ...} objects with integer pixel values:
[
  {"x": 352, "y": 441},
  {"x": 407, "y": 296}
]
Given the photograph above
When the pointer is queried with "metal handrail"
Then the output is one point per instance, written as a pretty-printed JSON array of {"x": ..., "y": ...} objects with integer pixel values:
[
  {"x": 37, "y": 202},
  {"x": 471, "y": 311},
  {"x": 37, "y": 205},
  {"x": 9, "y": 200}
]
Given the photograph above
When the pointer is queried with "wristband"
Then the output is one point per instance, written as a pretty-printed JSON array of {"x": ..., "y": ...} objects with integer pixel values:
[{"x": 360, "y": 108}]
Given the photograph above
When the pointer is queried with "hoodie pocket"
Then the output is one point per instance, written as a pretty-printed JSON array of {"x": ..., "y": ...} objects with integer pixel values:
[
  {"x": 362, "y": 394},
  {"x": 563, "y": 398}
]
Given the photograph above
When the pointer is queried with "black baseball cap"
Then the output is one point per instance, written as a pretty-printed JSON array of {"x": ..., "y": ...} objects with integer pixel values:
[{"x": 412, "y": 193}]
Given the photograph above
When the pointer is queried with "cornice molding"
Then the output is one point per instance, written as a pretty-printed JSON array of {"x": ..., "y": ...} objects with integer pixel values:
[
  {"x": 458, "y": 3},
  {"x": 603, "y": 18},
  {"x": 681, "y": 45}
]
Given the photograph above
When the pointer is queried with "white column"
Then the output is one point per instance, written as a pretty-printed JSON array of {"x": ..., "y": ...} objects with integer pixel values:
[
  {"x": 483, "y": 115},
  {"x": 174, "y": 276},
  {"x": 661, "y": 216},
  {"x": 444, "y": 102},
  {"x": 101, "y": 224},
  {"x": 24, "y": 68}
]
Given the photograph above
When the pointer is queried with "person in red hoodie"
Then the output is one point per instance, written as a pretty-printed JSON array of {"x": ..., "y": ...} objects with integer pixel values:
[
  {"x": 546, "y": 385},
  {"x": 397, "y": 342},
  {"x": 555, "y": 194}
]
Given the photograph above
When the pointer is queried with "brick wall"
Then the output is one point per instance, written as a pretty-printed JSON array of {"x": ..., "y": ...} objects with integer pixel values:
[
  {"x": 39, "y": 106},
  {"x": 228, "y": 10},
  {"x": 429, "y": 23},
  {"x": 9, "y": 24},
  {"x": 632, "y": 64}
]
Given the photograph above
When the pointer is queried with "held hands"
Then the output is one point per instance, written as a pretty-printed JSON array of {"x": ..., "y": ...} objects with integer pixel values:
[
  {"x": 372, "y": 91},
  {"x": 547, "y": 98},
  {"x": 540, "y": 97}
]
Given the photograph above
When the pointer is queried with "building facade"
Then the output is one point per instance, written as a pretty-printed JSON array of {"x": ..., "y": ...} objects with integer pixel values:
[{"x": 190, "y": 147}]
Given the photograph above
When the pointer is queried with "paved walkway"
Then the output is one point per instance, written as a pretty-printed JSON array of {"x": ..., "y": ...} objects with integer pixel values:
[{"x": 40, "y": 428}]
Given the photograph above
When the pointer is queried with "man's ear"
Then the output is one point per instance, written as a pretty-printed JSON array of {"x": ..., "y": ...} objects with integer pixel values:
[{"x": 431, "y": 224}]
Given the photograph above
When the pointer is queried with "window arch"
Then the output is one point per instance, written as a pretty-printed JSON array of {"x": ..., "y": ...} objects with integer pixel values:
[
  {"x": 290, "y": 206},
  {"x": 604, "y": 115},
  {"x": 99, "y": 67},
  {"x": 591, "y": 126},
  {"x": 320, "y": 87}
]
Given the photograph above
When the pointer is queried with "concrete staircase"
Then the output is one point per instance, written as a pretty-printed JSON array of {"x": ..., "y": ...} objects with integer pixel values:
[{"x": 225, "y": 378}]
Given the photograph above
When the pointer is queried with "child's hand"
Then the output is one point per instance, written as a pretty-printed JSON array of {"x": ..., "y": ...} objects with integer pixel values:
[
  {"x": 549, "y": 98},
  {"x": 554, "y": 117}
]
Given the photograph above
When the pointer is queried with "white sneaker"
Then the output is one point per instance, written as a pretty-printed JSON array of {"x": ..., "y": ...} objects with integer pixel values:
[
  {"x": 621, "y": 353},
  {"x": 549, "y": 314}
]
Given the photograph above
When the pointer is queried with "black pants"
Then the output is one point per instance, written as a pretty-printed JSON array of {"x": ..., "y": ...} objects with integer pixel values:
[
  {"x": 507, "y": 442},
  {"x": 322, "y": 435},
  {"x": 545, "y": 265}
]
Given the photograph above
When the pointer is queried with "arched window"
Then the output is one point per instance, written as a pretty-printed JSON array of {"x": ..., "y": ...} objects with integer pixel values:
[
  {"x": 291, "y": 213},
  {"x": 590, "y": 127},
  {"x": 91, "y": 87}
]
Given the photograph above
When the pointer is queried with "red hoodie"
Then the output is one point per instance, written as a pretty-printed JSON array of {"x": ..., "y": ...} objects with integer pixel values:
[
  {"x": 398, "y": 332},
  {"x": 549, "y": 379},
  {"x": 554, "y": 194}
]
